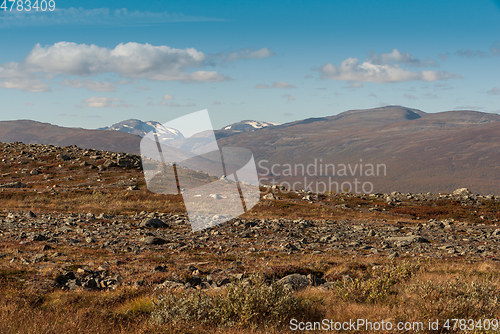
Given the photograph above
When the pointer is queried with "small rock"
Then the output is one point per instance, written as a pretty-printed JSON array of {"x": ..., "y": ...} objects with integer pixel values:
[
  {"x": 294, "y": 281},
  {"x": 152, "y": 222},
  {"x": 153, "y": 241},
  {"x": 462, "y": 192}
]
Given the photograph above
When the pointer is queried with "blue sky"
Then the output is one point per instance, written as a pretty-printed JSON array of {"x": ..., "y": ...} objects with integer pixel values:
[{"x": 94, "y": 63}]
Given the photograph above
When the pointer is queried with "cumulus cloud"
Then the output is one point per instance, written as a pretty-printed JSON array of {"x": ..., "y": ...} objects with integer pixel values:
[
  {"x": 103, "y": 102},
  {"x": 288, "y": 97},
  {"x": 380, "y": 69},
  {"x": 249, "y": 53},
  {"x": 398, "y": 57},
  {"x": 130, "y": 61},
  {"x": 96, "y": 16},
  {"x": 96, "y": 86},
  {"x": 167, "y": 97}
]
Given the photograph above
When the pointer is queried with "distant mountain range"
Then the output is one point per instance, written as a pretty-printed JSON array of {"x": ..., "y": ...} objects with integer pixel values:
[
  {"x": 140, "y": 128},
  {"x": 422, "y": 152}
]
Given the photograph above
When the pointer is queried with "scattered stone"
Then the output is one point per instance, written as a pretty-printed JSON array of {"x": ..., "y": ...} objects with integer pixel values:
[
  {"x": 16, "y": 184},
  {"x": 462, "y": 192},
  {"x": 294, "y": 282},
  {"x": 152, "y": 222},
  {"x": 154, "y": 241}
]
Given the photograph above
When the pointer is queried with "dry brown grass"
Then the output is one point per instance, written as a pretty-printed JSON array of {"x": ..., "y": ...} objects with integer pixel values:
[{"x": 406, "y": 292}]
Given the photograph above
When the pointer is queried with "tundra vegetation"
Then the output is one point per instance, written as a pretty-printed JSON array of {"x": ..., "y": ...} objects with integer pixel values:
[{"x": 85, "y": 247}]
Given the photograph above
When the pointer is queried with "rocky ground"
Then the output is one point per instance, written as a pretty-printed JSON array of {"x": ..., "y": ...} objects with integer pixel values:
[{"x": 89, "y": 247}]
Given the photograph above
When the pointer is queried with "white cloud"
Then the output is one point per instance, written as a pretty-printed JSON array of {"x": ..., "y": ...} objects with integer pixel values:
[
  {"x": 351, "y": 70},
  {"x": 142, "y": 87},
  {"x": 249, "y": 53},
  {"x": 96, "y": 86},
  {"x": 167, "y": 97},
  {"x": 130, "y": 60},
  {"x": 281, "y": 84},
  {"x": 288, "y": 97},
  {"x": 29, "y": 85},
  {"x": 355, "y": 85},
  {"x": 97, "y": 16},
  {"x": 398, "y": 57},
  {"x": 103, "y": 102}
]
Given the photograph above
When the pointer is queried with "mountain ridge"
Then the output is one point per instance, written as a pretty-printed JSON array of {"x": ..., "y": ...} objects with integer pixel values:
[{"x": 423, "y": 152}]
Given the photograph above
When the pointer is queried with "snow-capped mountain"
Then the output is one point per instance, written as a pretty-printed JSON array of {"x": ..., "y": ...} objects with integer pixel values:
[
  {"x": 243, "y": 126},
  {"x": 141, "y": 128},
  {"x": 248, "y": 125}
]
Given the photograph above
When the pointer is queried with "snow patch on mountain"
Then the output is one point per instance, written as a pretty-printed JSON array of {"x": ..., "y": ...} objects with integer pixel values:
[
  {"x": 249, "y": 125},
  {"x": 140, "y": 128}
]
